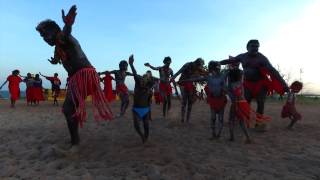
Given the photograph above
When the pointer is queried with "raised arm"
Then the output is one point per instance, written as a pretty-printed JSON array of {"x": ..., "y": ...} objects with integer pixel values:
[
  {"x": 152, "y": 67},
  {"x": 131, "y": 60},
  {"x": 69, "y": 20}
]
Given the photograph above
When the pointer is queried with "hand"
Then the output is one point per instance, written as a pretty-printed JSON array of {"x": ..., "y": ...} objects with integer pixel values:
[
  {"x": 70, "y": 17},
  {"x": 53, "y": 60},
  {"x": 147, "y": 64},
  {"x": 131, "y": 59}
]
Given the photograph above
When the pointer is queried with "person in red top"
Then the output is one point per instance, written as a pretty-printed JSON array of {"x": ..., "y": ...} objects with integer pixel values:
[
  {"x": 107, "y": 82},
  {"x": 29, "y": 80},
  {"x": 14, "y": 89},
  {"x": 37, "y": 85},
  {"x": 55, "y": 86}
]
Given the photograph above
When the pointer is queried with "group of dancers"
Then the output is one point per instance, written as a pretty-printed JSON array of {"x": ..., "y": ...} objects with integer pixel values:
[
  {"x": 257, "y": 80},
  {"x": 34, "y": 89}
]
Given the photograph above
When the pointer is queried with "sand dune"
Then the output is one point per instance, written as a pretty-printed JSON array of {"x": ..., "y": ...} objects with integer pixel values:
[{"x": 29, "y": 137}]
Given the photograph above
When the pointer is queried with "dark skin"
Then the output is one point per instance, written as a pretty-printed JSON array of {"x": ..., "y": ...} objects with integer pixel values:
[
  {"x": 165, "y": 72},
  {"x": 187, "y": 71},
  {"x": 235, "y": 80},
  {"x": 251, "y": 62},
  {"x": 120, "y": 77},
  {"x": 142, "y": 98},
  {"x": 215, "y": 80},
  {"x": 54, "y": 91},
  {"x": 75, "y": 61},
  {"x": 28, "y": 79}
]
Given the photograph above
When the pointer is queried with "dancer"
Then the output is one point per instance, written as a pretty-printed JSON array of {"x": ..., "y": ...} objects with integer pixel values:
[
  {"x": 141, "y": 109},
  {"x": 29, "y": 80},
  {"x": 165, "y": 73},
  {"x": 14, "y": 89},
  {"x": 289, "y": 109},
  {"x": 121, "y": 88},
  {"x": 240, "y": 109},
  {"x": 38, "y": 94},
  {"x": 55, "y": 86},
  {"x": 257, "y": 70},
  {"x": 83, "y": 79},
  {"x": 188, "y": 90},
  {"x": 156, "y": 93},
  {"x": 107, "y": 89},
  {"x": 216, "y": 92}
]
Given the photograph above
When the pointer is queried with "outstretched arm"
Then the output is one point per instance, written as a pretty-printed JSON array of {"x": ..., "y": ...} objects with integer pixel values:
[
  {"x": 195, "y": 79},
  {"x": 179, "y": 72},
  {"x": 69, "y": 20},
  {"x": 276, "y": 74},
  {"x": 3, "y": 84},
  {"x": 230, "y": 60},
  {"x": 42, "y": 75},
  {"x": 152, "y": 67}
]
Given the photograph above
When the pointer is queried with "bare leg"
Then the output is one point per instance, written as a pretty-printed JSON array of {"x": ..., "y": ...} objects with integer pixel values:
[
  {"x": 244, "y": 129},
  {"x": 213, "y": 122},
  {"x": 124, "y": 103},
  {"x": 220, "y": 120},
  {"x": 232, "y": 118},
  {"x": 183, "y": 103},
  {"x": 189, "y": 102},
  {"x": 69, "y": 110}
]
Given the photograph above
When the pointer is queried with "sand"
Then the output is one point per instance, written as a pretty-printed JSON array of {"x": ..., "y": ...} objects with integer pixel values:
[{"x": 29, "y": 137}]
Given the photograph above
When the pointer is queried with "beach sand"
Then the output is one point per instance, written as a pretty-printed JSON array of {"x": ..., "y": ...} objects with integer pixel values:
[{"x": 30, "y": 137}]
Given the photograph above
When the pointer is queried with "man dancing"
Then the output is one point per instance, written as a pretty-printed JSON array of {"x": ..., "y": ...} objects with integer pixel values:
[
  {"x": 257, "y": 70},
  {"x": 121, "y": 88},
  {"x": 141, "y": 109},
  {"x": 83, "y": 79},
  {"x": 55, "y": 86},
  {"x": 165, "y": 72},
  {"x": 188, "y": 90}
]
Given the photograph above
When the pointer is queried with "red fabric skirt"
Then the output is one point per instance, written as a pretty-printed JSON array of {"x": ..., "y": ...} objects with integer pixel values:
[
  {"x": 30, "y": 94},
  {"x": 245, "y": 113},
  {"x": 289, "y": 110},
  {"x": 121, "y": 89},
  {"x": 83, "y": 83},
  {"x": 108, "y": 89},
  {"x": 217, "y": 103},
  {"x": 165, "y": 88},
  {"x": 255, "y": 87},
  {"x": 14, "y": 92},
  {"x": 188, "y": 86},
  {"x": 157, "y": 97},
  {"x": 38, "y": 94}
]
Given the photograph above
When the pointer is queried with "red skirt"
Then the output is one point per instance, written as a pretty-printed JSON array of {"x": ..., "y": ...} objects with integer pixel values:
[
  {"x": 14, "y": 92},
  {"x": 255, "y": 87},
  {"x": 38, "y": 94},
  {"x": 289, "y": 110},
  {"x": 30, "y": 94},
  {"x": 217, "y": 103},
  {"x": 245, "y": 113},
  {"x": 157, "y": 97},
  {"x": 188, "y": 86},
  {"x": 121, "y": 89},
  {"x": 165, "y": 88},
  {"x": 83, "y": 83}
]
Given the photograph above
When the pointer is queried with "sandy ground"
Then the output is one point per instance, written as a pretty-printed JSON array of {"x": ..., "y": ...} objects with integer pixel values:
[{"x": 113, "y": 150}]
